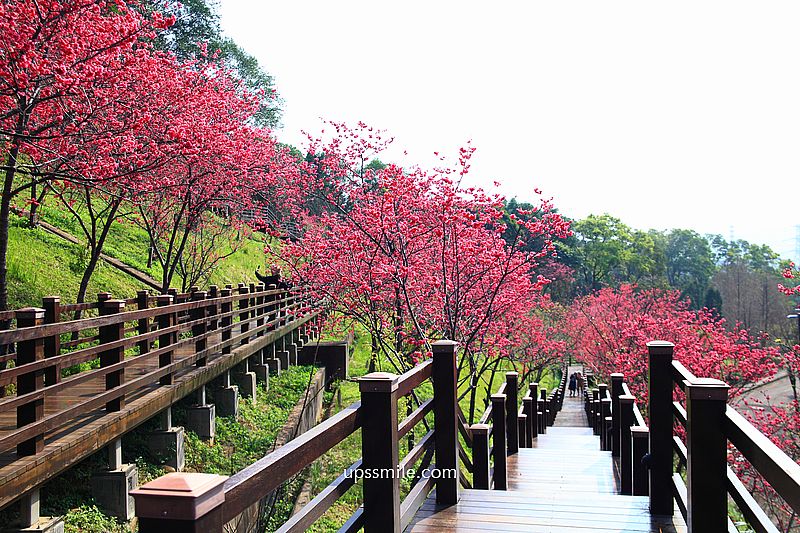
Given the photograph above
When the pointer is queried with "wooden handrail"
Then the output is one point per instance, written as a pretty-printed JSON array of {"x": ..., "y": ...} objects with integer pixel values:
[
  {"x": 265, "y": 475},
  {"x": 411, "y": 379},
  {"x": 778, "y": 469}
]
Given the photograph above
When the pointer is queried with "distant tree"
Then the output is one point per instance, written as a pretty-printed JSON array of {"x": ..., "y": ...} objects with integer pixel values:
[
  {"x": 196, "y": 35},
  {"x": 689, "y": 264},
  {"x": 746, "y": 278},
  {"x": 606, "y": 252}
]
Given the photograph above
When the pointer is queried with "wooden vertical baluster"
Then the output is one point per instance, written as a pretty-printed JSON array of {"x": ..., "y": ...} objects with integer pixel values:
[
  {"x": 445, "y": 419},
  {"x": 244, "y": 314},
  {"x": 166, "y": 319},
  {"x": 530, "y": 419},
  {"x": 640, "y": 437},
  {"x": 660, "y": 407},
  {"x": 626, "y": 444},
  {"x": 480, "y": 455},
  {"x": 499, "y": 440},
  {"x": 534, "y": 413},
  {"x": 379, "y": 449},
  {"x": 707, "y": 455},
  {"x": 199, "y": 330},
  {"x": 616, "y": 392},
  {"x": 143, "y": 325},
  {"x": 511, "y": 412},
  {"x": 52, "y": 344},
  {"x": 30, "y": 352},
  {"x": 227, "y": 320},
  {"x": 111, "y": 333}
]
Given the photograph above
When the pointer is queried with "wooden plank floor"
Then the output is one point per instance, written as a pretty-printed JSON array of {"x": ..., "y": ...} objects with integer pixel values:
[{"x": 563, "y": 484}]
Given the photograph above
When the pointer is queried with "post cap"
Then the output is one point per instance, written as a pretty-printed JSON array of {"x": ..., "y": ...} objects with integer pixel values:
[
  {"x": 180, "y": 496},
  {"x": 29, "y": 313},
  {"x": 198, "y": 295},
  {"x": 512, "y": 374},
  {"x": 498, "y": 397},
  {"x": 164, "y": 298},
  {"x": 378, "y": 382},
  {"x": 617, "y": 376},
  {"x": 627, "y": 398},
  {"x": 113, "y": 304},
  {"x": 479, "y": 428},
  {"x": 51, "y": 299},
  {"x": 443, "y": 345},
  {"x": 706, "y": 389},
  {"x": 660, "y": 348}
]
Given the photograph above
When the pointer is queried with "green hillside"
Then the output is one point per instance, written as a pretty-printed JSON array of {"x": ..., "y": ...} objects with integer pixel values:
[{"x": 42, "y": 264}]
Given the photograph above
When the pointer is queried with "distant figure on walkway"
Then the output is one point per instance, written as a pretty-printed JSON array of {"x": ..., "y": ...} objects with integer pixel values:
[
  {"x": 581, "y": 383},
  {"x": 273, "y": 279},
  {"x": 573, "y": 384}
]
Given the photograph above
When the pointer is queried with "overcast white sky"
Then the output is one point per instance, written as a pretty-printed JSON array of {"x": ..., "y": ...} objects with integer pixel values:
[{"x": 680, "y": 114}]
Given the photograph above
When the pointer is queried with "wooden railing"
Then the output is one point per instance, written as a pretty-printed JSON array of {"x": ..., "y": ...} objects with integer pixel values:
[
  {"x": 647, "y": 455},
  {"x": 124, "y": 334},
  {"x": 511, "y": 425},
  {"x": 205, "y": 502}
]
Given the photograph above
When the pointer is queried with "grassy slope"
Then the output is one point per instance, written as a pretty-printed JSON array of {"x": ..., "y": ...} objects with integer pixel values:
[{"x": 41, "y": 264}]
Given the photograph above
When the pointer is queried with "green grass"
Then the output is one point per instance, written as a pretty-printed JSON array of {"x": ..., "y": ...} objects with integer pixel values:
[{"x": 42, "y": 264}]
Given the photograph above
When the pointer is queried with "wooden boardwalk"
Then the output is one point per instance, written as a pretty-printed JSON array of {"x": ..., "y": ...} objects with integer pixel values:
[
  {"x": 83, "y": 435},
  {"x": 563, "y": 484}
]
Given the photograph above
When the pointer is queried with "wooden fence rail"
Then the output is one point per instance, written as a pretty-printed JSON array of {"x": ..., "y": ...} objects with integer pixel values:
[
  {"x": 205, "y": 502},
  {"x": 709, "y": 429},
  {"x": 120, "y": 338}
]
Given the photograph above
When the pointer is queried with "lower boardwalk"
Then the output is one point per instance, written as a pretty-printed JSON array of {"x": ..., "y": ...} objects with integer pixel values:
[{"x": 564, "y": 483}]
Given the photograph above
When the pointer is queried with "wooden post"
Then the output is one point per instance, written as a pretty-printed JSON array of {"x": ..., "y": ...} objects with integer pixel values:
[
  {"x": 528, "y": 408},
  {"x": 30, "y": 352},
  {"x": 199, "y": 330},
  {"x": 480, "y": 455},
  {"x": 626, "y": 444},
  {"x": 660, "y": 396},
  {"x": 707, "y": 455},
  {"x": 110, "y": 333},
  {"x": 616, "y": 392},
  {"x": 244, "y": 315},
  {"x": 379, "y": 449},
  {"x": 534, "y": 413},
  {"x": 521, "y": 431},
  {"x": 545, "y": 413},
  {"x": 445, "y": 420},
  {"x": 499, "y": 439},
  {"x": 143, "y": 325},
  {"x": 511, "y": 412},
  {"x": 595, "y": 408},
  {"x": 181, "y": 502},
  {"x": 640, "y": 438},
  {"x": 164, "y": 320},
  {"x": 213, "y": 309},
  {"x": 259, "y": 312},
  {"x": 52, "y": 344},
  {"x": 227, "y": 320},
  {"x": 605, "y": 424}
]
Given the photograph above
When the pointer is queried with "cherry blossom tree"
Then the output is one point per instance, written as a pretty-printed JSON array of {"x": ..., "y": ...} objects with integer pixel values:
[
  {"x": 414, "y": 256},
  {"x": 60, "y": 61}
]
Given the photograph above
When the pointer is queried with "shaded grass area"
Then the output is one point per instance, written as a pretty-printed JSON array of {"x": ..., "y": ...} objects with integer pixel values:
[{"x": 239, "y": 442}]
